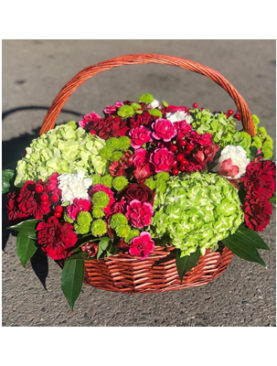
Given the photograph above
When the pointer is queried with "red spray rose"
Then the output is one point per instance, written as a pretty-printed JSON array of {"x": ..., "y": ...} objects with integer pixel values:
[
  {"x": 79, "y": 204},
  {"x": 116, "y": 169},
  {"x": 56, "y": 238}
]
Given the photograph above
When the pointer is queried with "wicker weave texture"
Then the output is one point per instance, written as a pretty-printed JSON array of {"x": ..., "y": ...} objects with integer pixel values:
[{"x": 157, "y": 273}]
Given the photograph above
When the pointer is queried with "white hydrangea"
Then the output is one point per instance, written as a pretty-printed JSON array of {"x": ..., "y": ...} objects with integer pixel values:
[
  {"x": 154, "y": 104},
  {"x": 179, "y": 116},
  {"x": 74, "y": 186},
  {"x": 238, "y": 156}
]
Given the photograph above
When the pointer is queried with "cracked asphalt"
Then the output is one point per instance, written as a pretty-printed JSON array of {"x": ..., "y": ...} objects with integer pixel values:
[{"x": 33, "y": 73}]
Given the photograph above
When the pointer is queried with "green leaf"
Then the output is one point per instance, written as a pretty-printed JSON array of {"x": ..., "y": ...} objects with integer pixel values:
[
  {"x": 72, "y": 279},
  {"x": 79, "y": 255},
  {"x": 185, "y": 264},
  {"x": 25, "y": 248},
  {"x": 272, "y": 200},
  {"x": 244, "y": 243},
  {"x": 28, "y": 228},
  {"x": 7, "y": 178},
  {"x": 102, "y": 245}
]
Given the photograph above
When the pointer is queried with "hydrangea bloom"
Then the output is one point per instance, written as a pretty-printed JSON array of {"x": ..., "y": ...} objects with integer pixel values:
[{"x": 74, "y": 186}]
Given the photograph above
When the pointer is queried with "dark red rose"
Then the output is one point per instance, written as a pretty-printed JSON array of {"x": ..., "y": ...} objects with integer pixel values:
[
  {"x": 118, "y": 206},
  {"x": 142, "y": 173},
  {"x": 56, "y": 238},
  {"x": 260, "y": 178},
  {"x": 257, "y": 212},
  {"x": 138, "y": 192}
]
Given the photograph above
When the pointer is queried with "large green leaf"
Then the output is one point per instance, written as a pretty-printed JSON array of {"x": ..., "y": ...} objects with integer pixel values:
[
  {"x": 28, "y": 228},
  {"x": 7, "y": 178},
  {"x": 185, "y": 264},
  {"x": 25, "y": 248},
  {"x": 244, "y": 243},
  {"x": 102, "y": 245},
  {"x": 72, "y": 279}
]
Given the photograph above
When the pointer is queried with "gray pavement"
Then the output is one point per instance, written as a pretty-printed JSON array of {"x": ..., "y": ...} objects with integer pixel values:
[{"x": 33, "y": 73}]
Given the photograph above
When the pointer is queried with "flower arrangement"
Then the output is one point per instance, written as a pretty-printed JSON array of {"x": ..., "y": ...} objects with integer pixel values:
[{"x": 144, "y": 174}]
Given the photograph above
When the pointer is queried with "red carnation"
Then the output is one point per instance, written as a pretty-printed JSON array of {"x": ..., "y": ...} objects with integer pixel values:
[
  {"x": 141, "y": 119},
  {"x": 116, "y": 169},
  {"x": 56, "y": 238},
  {"x": 260, "y": 178},
  {"x": 257, "y": 212}
]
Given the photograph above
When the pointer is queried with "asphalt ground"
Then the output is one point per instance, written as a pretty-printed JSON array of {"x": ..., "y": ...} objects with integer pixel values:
[{"x": 33, "y": 73}]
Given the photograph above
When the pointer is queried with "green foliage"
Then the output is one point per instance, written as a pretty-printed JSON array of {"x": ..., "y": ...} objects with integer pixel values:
[
  {"x": 244, "y": 243},
  {"x": 67, "y": 218},
  {"x": 27, "y": 228},
  {"x": 146, "y": 98},
  {"x": 186, "y": 263},
  {"x": 98, "y": 227},
  {"x": 72, "y": 279},
  {"x": 125, "y": 111},
  {"x": 117, "y": 220},
  {"x": 119, "y": 183},
  {"x": 7, "y": 180},
  {"x": 103, "y": 245},
  {"x": 164, "y": 103},
  {"x": 100, "y": 199}
]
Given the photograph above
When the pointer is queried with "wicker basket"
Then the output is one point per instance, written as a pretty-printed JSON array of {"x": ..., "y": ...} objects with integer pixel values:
[{"x": 157, "y": 273}]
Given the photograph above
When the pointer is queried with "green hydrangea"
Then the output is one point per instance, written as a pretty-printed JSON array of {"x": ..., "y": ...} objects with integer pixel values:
[
  {"x": 125, "y": 111},
  {"x": 123, "y": 231},
  {"x": 162, "y": 175},
  {"x": 117, "y": 220},
  {"x": 84, "y": 218},
  {"x": 146, "y": 98},
  {"x": 100, "y": 199},
  {"x": 160, "y": 186},
  {"x": 97, "y": 212},
  {"x": 98, "y": 227},
  {"x": 107, "y": 180},
  {"x": 119, "y": 183},
  {"x": 197, "y": 210},
  {"x": 65, "y": 149}
]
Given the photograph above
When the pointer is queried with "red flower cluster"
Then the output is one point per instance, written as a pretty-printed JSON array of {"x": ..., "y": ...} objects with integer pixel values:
[
  {"x": 259, "y": 184},
  {"x": 56, "y": 238}
]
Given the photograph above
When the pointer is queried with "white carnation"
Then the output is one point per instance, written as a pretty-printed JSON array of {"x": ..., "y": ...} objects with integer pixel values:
[
  {"x": 74, "y": 186},
  {"x": 238, "y": 156},
  {"x": 154, "y": 104},
  {"x": 179, "y": 116}
]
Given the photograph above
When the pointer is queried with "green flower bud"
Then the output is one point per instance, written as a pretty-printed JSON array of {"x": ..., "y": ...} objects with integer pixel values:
[
  {"x": 146, "y": 98},
  {"x": 117, "y": 220},
  {"x": 123, "y": 143},
  {"x": 97, "y": 212},
  {"x": 164, "y": 103},
  {"x": 257, "y": 142},
  {"x": 98, "y": 227},
  {"x": 123, "y": 230},
  {"x": 119, "y": 183},
  {"x": 149, "y": 182},
  {"x": 155, "y": 112},
  {"x": 84, "y": 218},
  {"x": 100, "y": 199},
  {"x": 125, "y": 111},
  {"x": 256, "y": 119},
  {"x": 267, "y": 152},
  {"x": 107, "y": 180},
  {"x": 116, "y": 155},
  {"x": 196, "y": 210},
  {"x": 81, "y": 229},
  {"x": 162, "y": 175}
]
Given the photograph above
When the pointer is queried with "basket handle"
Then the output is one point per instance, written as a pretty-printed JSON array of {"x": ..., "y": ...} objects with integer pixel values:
[{"x": 146, "y": 58}]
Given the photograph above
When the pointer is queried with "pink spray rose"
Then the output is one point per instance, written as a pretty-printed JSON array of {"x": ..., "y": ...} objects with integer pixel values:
[
  {"x": 142, "y": 245},
  {"x": 139, "y": 136},
  {"x": 88, "y": 118},
  {"x": 162, "y": 159},
  {"x": 163, "y": 130},
  {"x": 78, "y": 205},
  {"x": 139, "y": 213}
]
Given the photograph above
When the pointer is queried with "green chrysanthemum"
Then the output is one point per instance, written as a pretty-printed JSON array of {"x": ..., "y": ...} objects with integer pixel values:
[
  {"x": 123, "y": 230},
  {"x": 149, "y": 182},
  {"x": 197, "y": 210},
  {"x": 98, "y": 227},
  {"x": 107, "y": 180},
  {"x": 97, "y": 212},
  {"x": 146, "y": 98},
  {"x": 100, "y": 199},
  {"x": 119, "y": 183},
  {"x": 84, "y": 218},
  {"x": 117, "y": 220},
  {"x": 125, "y": 111},
  {"x": 123, "y": 143}
]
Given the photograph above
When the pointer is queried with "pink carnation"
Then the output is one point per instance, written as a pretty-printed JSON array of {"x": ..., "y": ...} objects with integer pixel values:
[
  {"x": 88, "y": 118},
  {"x": 163, "y": 130},
  {"x": 162, "y": 159},
  {"x": 139, "y": 213},
  {"x": 101, "y": 187},
  {"x": 142, "y": 245},
  {"x": 110, "y": 109},
  {"x": 141, "y": 157},
  {"x": 139, "y": 136},
  {"x": 78, "y": 205}
]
